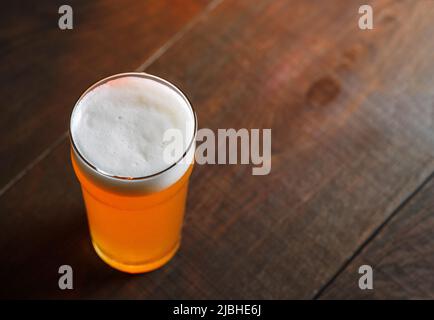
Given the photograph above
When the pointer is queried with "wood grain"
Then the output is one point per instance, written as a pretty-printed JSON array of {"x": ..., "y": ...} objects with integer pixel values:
[
  {"x": 44, "y": 69},
  {"x": 402, "y": 256},
  {"x": 351, "y": 114}
]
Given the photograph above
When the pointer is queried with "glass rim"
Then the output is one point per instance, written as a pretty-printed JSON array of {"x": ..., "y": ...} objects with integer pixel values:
[{"x": 140, "y": 75}]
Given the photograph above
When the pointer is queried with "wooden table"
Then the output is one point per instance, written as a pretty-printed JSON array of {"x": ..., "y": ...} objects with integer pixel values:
[{"x": 351, "y": 113}]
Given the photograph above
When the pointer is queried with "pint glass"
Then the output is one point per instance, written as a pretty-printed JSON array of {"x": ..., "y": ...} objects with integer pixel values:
[{"x": 135, "y": 222}]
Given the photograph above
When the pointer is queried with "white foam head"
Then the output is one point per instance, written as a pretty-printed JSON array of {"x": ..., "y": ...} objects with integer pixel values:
[{"x": 117, "y": 128}]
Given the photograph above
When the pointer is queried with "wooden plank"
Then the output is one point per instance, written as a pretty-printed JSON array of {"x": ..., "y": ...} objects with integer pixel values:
[
  {"x": 45, "y": 69},
  {"x": 401, "y": 255},
  {"x": 351, "y": 113}
]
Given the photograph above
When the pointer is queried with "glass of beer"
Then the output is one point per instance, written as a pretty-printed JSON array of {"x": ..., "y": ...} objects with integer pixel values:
[{"x": 134, "y": 186}]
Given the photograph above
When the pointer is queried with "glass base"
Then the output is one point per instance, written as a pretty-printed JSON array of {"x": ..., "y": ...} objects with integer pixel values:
[{"x": 136, "y": 268}]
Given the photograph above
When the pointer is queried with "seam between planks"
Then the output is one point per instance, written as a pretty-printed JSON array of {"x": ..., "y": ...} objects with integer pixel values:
[{"x": 154, "y": 57}]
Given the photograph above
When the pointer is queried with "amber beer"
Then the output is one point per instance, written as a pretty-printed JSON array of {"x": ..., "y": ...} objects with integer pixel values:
[{"x": 135, "y": 199}]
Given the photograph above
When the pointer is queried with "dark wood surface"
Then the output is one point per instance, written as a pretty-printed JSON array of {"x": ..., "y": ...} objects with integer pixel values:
[
  {"x": 353, "y": 140},
  {"x": 401, "y": 255}
]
